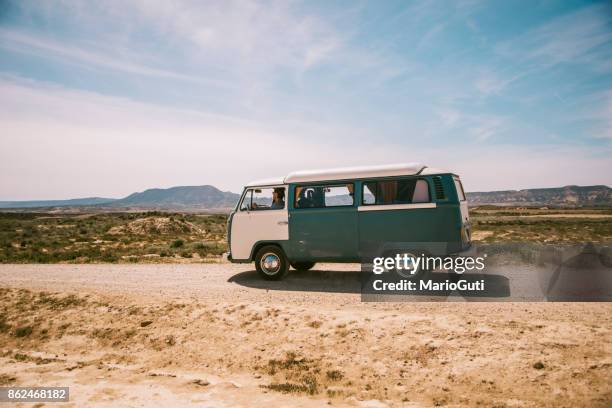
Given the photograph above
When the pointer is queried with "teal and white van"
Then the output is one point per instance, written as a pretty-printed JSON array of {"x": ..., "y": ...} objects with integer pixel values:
[{"x": 323, "y": 215}]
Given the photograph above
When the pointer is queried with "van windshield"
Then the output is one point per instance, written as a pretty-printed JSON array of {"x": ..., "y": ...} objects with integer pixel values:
[{"x": 267, "y": 198}]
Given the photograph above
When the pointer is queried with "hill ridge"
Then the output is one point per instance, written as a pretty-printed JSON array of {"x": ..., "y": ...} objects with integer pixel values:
[{"x": 207, "y": 196}]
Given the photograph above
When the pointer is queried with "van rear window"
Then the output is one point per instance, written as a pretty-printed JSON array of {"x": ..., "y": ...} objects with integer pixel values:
[
  {"x": 459, "y": 187},
  {"x": 401, "y": 191},
  {"x": 324, "y": 196}
]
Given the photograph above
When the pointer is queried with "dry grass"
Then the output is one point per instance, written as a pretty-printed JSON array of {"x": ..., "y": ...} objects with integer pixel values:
[
  {"x": 155, "y": 237},
  {"x": 150, "y": 237},
  {"x": 498, "y": 224}
]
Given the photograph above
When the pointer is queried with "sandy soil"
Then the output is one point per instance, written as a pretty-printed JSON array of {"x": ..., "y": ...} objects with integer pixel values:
[{"x": 215, "y": 335}]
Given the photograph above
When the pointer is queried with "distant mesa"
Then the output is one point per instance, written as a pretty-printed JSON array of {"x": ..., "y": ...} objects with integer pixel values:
[
  {"x": 186, "y": 198},
  {"x": 568, "y": 196}
]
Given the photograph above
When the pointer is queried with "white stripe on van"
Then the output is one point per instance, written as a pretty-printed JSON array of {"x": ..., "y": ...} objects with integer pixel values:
[{"x": 396, "y": 207}]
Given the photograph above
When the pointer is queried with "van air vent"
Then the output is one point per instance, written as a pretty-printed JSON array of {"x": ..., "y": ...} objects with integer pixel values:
[{"x": 439, "y": 189}]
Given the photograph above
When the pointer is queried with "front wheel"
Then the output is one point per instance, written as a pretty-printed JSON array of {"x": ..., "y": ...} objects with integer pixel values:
[
  {"x": 271, "y": 263},
  {"x": 302, "y": 266},
  {"x": 415, "y": 271}
]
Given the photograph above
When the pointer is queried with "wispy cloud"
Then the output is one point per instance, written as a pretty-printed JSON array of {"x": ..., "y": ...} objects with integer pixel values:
[
  {"x": 595, "y": 110},
  {"x": 429, "y": 37},
  {"x": 216, "y": 42},
  {"x": 262, "y": 34},
  {"x": 483, "y": 128},
  {"x": 480, "y": 127},
  {"x": 580, "y": 37},
  {"x": 491, "y": 84},
  {"x": 26, "y": 43}
]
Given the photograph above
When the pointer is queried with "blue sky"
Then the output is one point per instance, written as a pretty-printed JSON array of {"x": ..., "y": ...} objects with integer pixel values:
[{"x": 110, "y": 98}]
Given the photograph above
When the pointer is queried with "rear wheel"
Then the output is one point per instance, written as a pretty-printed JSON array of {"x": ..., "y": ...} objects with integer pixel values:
[
  {"x": 414, "y": 272},
  {"x": 271, "y": 263},
  {"x": 303, "y": 266}
]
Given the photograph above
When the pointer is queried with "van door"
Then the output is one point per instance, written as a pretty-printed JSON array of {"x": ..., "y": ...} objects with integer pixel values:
[
  {"x": 323, "y": 223},
  {"x": 397, "y": 211},
  {"x": 260, "y": 217}
]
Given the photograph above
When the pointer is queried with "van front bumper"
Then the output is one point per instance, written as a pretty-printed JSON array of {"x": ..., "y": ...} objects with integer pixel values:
[{"x": 228, "y": 256}]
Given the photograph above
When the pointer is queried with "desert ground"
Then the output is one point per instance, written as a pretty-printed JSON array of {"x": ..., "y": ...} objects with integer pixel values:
[{"x": 214, "y": 335}]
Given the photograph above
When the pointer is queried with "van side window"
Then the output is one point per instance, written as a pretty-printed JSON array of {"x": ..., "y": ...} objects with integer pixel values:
[
  {"x": 324, "y": 196},
  {"x": 369, "y": 193},
  {"x": 267, "y": 198},
  {"x": 401, "y": 191},
  {"x": 459, "y": 187}
]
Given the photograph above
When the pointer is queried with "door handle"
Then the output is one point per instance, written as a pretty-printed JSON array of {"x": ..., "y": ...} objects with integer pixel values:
[{"x": 283, "y": 222}]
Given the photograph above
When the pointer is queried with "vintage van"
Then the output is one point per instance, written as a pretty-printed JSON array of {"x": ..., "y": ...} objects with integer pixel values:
[{"x": 325, "y": 215}]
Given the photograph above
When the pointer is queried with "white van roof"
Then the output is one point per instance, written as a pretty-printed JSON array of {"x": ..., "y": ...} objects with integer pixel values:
[
  {"x": 344, "y": 173},
  {"x": 347, "y": 173},
  {"x": 275, "y": 181}
]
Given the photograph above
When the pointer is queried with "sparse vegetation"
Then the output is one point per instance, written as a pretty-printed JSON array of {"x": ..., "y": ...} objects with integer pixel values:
[
  {"x": 315, "y": 324},
  {"x": 335, "y": 375},
  {"x": 23, "y": 331},
  {"x": 301, "y": 374},
  {"x": 177, "y": 243},
  {"x": 111, "y": 237},
  {"x": 59, "y": 302},
  {"x": 4, "y": 326},
  {"x": 6, "y": 379},
  {"x": 173, "y": 237},
  {"x": 495, "y": 224},
  {"x": 291, "y": 388}
]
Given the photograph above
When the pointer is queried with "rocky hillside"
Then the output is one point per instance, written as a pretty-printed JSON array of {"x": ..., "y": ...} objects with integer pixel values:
[
  {"x": 188, "y": 198},
  {"x": 568, "y": 196},
  {"x": 177, "y": 198}
]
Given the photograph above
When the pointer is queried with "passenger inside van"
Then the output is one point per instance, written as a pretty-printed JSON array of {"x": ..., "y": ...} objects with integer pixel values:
[
  {"x": 278, "y": 199},
  {"x": 305, "y": 197},
  {"x": 351, "y": 190}
]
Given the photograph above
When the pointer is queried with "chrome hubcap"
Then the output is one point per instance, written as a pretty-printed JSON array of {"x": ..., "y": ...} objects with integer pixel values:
[
  {"x": 412, "y": 271},
  {"x": 270, "y": 263}
]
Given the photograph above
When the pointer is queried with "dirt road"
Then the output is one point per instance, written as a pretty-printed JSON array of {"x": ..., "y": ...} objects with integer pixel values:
[{"x": 216, "y": 335}]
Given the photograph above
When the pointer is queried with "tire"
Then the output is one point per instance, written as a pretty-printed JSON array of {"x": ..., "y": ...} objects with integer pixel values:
[
  {"x": 420, "y": 273},
  {"x": 271, "y": 263},
  {"x": 302, "y": 266}
]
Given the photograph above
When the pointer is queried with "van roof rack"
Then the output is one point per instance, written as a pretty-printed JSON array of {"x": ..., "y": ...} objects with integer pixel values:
[
  {"x": 347, "y": 173},
  {"x": 342, "y": 173}
]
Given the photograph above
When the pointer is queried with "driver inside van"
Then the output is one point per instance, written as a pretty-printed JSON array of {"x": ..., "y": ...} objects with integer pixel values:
[{"x": 278, "y": 199}]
